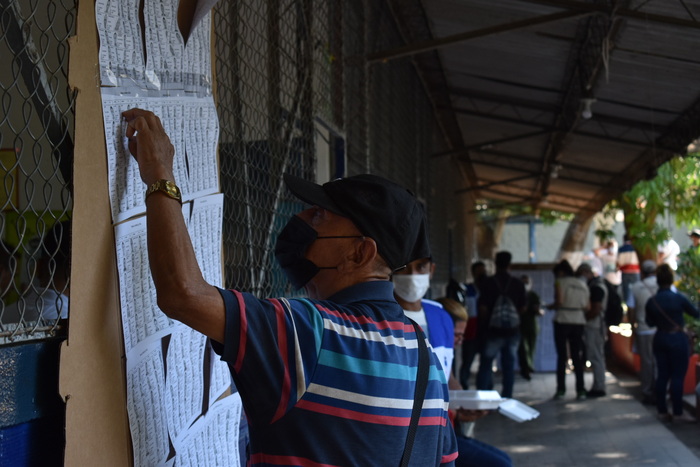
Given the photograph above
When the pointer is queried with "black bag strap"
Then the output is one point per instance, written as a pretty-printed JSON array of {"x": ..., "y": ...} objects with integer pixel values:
[
  {"x": 503, "y": 290},
  {"x": 677, "y": 327},
  {"x": 421, "y": 386}
]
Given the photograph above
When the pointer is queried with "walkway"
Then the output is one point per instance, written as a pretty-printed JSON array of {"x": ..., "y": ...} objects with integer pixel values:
[{"x": 616, "y": 430}]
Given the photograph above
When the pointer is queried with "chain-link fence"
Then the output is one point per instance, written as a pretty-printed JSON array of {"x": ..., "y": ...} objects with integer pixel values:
[
  {"x": 36, "y": 153},
  {"x": 295, "y": 94}
]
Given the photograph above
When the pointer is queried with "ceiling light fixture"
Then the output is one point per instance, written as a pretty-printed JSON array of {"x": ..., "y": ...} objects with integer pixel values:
[{"x": 587, "y": 112}]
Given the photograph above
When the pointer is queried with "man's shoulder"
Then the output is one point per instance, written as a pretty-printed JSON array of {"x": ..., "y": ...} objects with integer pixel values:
[
  {"x": 431, "y": 304},
  {"x": 436, "y": 309},
  {"x": 598, "y": 282},
  {"x": 597, "y": 288}
]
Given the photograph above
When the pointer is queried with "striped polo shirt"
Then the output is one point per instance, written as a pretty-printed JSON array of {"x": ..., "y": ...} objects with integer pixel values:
[{"x": 330, "y": 383}]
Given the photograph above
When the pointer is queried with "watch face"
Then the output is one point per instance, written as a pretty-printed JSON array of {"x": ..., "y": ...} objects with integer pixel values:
[
  {"x": 172, "y": 189},
  {"x": 167, "y": 187}
]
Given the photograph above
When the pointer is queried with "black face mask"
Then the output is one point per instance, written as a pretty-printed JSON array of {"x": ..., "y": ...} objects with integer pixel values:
[{"x": 292, "y": 243}]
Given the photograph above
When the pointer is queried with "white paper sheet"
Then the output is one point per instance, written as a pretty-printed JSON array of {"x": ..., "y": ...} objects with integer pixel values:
[
  {"x": 165, "y": 47},
  {"x": 205, "y": 228},
  {"x": 121, "y": 51},
  {"x": 184, "y": 389},
  {"x": 197, "y": 63},
  {"x": 213, "y": 439},
  {"x": 126, "y": 188},
  {"x": 192, "y": 126},
  {"x": 201, "y": 137},
  {"x": 141, "y": 317},
  {"x": 165, "y": 360},
  {"x": 147, "y": 407},
  {"x": 220, "y": 377}
]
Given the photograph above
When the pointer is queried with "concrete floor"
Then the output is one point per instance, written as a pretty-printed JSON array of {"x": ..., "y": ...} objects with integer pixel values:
[{"x": 615, "y": 430}]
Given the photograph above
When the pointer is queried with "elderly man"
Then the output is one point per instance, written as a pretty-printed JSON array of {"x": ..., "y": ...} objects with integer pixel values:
[
  {"x": 328, "y": 380},
  {"x": 642, "y": 291}
]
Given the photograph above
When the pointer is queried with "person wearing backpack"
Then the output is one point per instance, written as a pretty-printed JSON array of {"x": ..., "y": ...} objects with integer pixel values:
[
  {"x": 501, "y": 302},
  {"x": 570, "y": 304}
]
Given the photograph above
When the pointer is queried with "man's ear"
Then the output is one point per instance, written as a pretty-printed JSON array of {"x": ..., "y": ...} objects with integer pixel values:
[
  {"x": 432, "y": 269},
  {"x": 363, "y": 254}
]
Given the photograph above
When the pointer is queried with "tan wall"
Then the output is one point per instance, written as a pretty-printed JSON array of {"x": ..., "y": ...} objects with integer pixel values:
[{"x": 92, "y": 374}]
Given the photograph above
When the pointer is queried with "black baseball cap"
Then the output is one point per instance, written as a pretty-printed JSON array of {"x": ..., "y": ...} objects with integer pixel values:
[{"x": 382, "y": 210}]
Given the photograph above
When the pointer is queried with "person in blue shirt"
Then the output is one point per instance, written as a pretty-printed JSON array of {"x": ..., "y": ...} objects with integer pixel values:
[
  {"x": 410, "y": 286},
  {"x": 665, "y": 312}
]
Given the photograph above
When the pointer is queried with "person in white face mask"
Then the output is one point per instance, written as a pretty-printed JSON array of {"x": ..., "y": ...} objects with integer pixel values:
[{"x": 410, "y": 286}]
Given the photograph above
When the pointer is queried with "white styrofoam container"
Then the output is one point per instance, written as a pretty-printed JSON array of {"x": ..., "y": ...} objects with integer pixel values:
[
  {"x": 516, "y": 410},
  {"x": 475, "y": 400},
  {"x": 490, "y": 400}
]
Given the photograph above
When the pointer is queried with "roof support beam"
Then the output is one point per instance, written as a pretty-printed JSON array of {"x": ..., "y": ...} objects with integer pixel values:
[
  {"x": 522, "y": 158},
  {"x": 622, "y": 12},
  {"x": 498, "y": 182},
  {"x": 519, "y": 199},
  {"x": 435, "y": 44},
  {"x": 636, "y": 124},
  {"x": 595, "y": 39},
  {"x": 536, "y": 173}
]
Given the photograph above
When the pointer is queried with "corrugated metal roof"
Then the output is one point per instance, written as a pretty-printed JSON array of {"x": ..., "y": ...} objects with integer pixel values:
[{"x": 517, "y": 74}]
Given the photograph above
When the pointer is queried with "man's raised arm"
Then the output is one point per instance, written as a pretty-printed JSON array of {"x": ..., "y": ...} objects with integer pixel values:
[{"x": 182, "y": 292}]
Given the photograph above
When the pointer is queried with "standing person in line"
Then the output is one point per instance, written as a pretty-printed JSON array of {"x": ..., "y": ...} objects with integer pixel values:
[
  {"x": 694, "y": 236},
  {"x": 628, "y": 263},
  {"x": 498, "y": 340},
  {"x": 472, "y": 342},
  {"x": 594, "y": 331},
  {"x": 328, "y": 380},
  {"x": 642, "y": 291},
  {"x": 665, "y": 312},
  {"x": 570, "y": 305},
  {"x": 528, "y": 329},
  {"x": 668, "y": 253},
  {"x": 472, "y": 452},
  {"x": 608, "y": 258},
  {"x": 410, "y": 286}
]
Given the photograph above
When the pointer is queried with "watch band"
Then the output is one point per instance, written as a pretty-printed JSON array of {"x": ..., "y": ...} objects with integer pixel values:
[{"x": 167, "y": 187}]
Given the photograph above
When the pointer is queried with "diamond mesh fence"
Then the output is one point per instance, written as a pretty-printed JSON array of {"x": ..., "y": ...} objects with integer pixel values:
[
  {"x": 36, "y": 152},
  {"x": 294, "y": 95},
  {"x": 293, "y": 90}
]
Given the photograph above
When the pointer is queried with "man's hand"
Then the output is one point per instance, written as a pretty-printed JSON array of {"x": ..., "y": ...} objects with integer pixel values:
[
  {"x": 464, "y": 415},
  {"x": 149, "y": 144}
]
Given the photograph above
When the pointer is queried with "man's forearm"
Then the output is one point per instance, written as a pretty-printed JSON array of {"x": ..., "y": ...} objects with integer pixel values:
[{"x": 181, "y": 290}]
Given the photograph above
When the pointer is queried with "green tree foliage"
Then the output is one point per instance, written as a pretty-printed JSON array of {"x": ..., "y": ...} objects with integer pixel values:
[
  {"x": 675, "y": 191},
  {"x": 689, "y": 284}
]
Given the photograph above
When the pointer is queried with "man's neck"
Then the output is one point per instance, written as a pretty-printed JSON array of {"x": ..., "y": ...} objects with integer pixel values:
[{"x": 409, "y": 306}]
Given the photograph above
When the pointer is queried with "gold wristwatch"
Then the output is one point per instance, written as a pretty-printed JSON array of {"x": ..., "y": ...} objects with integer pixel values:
[{"x": 167, "y": 187}]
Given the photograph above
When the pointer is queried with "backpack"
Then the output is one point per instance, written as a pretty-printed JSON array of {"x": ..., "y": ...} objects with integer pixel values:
[
  {"x": 613, "y": 309},
  {"x": 504, "y": 316}
]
